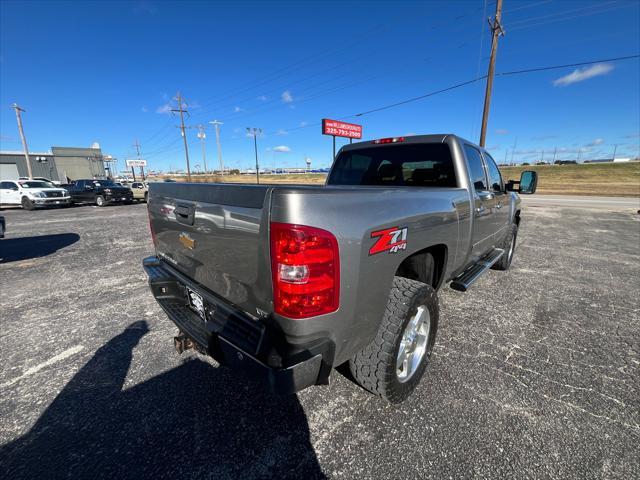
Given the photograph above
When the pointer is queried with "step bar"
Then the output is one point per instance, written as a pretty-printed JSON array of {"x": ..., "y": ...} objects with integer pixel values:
[{"x": 467, "y": 278}]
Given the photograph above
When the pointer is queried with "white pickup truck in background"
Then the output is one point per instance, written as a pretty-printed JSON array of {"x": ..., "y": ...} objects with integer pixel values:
[{"x": 31, "y": 194}]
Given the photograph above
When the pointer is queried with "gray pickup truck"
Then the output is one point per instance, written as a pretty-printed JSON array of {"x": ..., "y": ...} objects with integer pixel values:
[{"x": 286, "y": 282}]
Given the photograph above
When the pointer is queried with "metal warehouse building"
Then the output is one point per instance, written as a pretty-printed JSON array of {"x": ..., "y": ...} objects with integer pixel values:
[{"x": 61, "y": 164}]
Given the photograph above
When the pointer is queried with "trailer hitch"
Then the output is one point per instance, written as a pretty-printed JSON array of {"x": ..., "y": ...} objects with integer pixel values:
[{"x": 182, "y": 343}]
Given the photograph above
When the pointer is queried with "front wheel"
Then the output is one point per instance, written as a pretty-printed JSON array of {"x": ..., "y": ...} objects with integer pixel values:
[
  {"x": 100, "y": 201},
  {"x": 509, "y": 247},
  {"x": 392, "y": 365},
  {"x": 27, "y": 204}
]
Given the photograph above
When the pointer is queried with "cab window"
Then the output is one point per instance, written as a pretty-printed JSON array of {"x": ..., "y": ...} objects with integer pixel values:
[
  {"x": 476, "y": 169},
  {"x": 495, "y": 179}
]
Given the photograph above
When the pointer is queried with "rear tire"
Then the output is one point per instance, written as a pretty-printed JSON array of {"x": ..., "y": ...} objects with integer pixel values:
[
  {"x": 509, "y": 247},
  {"x": 379, "y": 367},
  {"x": 27, "y": 204},
  {"x": 100, "y": 201}
]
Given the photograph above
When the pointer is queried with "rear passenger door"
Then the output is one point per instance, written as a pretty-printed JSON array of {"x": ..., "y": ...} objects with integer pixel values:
[
  {"x": 483, "y": 203},
  {"x": 501, "y": 213}
]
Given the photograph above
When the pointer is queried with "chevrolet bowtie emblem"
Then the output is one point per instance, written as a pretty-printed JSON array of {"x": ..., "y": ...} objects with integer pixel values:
[{"x": 187, "y": 241}]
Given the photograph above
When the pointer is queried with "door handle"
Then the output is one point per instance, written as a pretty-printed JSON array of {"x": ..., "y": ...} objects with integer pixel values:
[{"x": 485, "y": 196}]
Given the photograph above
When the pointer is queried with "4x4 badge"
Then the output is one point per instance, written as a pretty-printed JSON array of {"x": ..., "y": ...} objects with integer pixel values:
[{"x": 187, "y": 241}]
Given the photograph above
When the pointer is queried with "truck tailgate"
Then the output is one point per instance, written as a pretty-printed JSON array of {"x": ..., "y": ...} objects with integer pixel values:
[{"x": 218, "y": 236}]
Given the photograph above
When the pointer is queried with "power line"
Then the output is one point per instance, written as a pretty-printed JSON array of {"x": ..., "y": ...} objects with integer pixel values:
[{"x": 555, "y": 67}]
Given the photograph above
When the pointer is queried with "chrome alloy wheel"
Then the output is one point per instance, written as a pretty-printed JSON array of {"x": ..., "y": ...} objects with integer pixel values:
[{"x": 413, "y": 345}]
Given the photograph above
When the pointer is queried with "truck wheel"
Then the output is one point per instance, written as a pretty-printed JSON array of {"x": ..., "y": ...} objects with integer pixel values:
[
  {"x": 100, "y": 201},
  {"x": 509, "y": 247},
  {"x": 27, "y": 204},
  {"x": 392, "y": 365}
]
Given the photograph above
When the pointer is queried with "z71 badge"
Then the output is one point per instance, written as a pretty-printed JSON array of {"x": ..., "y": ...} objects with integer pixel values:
[{"x": 390, "y": 240}]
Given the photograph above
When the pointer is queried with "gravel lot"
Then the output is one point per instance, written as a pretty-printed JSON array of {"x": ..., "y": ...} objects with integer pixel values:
[{"x": 535, "y": 372}]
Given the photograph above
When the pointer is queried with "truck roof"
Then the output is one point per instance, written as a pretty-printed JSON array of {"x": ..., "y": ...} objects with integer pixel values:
[{"x": 432, "y": 138}]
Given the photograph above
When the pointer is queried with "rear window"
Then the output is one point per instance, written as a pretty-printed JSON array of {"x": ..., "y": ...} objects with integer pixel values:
[{"x": 417, "y": 165}]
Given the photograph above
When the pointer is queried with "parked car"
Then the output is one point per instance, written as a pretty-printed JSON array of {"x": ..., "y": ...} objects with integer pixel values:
[
  {"x": 3, "y": 227},
  {"x": 32, "y": 193},
  {"x": 99, "y": 192},
  {"x": 54, "y": 183},
  {"x": 140, "y": 190},
  {"x": 286, "y": 282}
]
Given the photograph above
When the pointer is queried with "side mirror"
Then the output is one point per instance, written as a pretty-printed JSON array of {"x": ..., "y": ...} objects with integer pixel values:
[
  {"x": 15, "y": 189},
  {"x": 528, "y": 182}
]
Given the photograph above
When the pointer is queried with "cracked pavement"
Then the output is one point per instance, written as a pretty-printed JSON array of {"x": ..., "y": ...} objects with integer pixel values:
[{"x": 535, "y": 373}]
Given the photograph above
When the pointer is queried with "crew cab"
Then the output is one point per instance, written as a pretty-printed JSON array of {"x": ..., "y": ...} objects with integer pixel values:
[
  {"x": 32, "y": 193},
  {"x": 99, "y": 192},
  {"x": 286, "y": 282}
]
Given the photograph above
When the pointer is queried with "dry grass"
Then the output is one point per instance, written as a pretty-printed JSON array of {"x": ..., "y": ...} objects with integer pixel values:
[{"x": 605, "y": 179}]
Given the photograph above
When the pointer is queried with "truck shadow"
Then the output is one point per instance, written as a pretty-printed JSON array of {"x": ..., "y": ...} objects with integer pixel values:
[
  {"x": 24, "y": 248},
  {"x": 192, "y": 421}
]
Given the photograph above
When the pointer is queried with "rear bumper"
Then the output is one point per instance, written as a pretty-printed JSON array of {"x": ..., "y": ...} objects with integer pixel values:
[
  {"x": 118, "y": 198},
  {"x": 234, "y": 338}
]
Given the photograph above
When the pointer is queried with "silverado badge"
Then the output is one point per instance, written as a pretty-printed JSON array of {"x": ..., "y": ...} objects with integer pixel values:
[{"x": 187, "y": 241}]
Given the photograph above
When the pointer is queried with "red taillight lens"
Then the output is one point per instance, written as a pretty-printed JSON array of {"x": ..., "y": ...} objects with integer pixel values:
[
  {"x": 153, "y": 234},
  {"x": 305, "y": 265}
]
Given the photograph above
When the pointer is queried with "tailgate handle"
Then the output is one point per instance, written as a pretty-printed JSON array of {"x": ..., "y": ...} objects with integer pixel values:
[{"x": 185, "y": 213}]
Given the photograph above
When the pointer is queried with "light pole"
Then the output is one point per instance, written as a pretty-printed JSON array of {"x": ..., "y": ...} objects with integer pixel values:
[
  {"x": 217, "y": 123},
  {"x": 202, "y": 136},
  {"x": 255, "y": 132}
]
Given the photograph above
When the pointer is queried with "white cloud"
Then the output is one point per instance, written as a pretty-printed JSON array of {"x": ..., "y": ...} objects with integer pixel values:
[
  {"x": 582, "y": 74},
  {"x": 597, "y": 141},
  {"x": 303, "y": 124},
  {"x": 237, "y": 109},
  {"x": 263, "y": 98},
  {"x": 281, "y": 149},
  {"x": 502, "y": 131},
  {"x": 286, "y": 96},
  {"x": 164, "y": 109},
  {"x": 144, "y": 109},
  {"x": 281, "y": 132}
]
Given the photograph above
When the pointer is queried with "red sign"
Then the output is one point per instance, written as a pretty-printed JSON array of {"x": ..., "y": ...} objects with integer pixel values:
[{"x": 341, "y": 129}]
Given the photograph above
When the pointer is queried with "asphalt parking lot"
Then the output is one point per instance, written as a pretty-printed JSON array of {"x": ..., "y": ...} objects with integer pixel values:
[{"x": 535, "y": 373}]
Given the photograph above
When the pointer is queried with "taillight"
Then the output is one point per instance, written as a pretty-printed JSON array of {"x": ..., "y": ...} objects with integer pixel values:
[
  {"x": 305, "y": 266},
  {"x": 389, "y": 140},
  {"x": 153, "y": 234}
]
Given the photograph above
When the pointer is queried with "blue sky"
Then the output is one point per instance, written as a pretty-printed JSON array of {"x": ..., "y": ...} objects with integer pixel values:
[{"x": 108, "y": 72}]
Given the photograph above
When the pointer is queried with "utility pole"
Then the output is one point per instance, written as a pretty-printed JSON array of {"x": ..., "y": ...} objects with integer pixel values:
[
  {"x": 255, "y": 132},
  {"x": 137, "y": 145},
  {"x": 555, "y": 150},
  {"x": 615, "y": 148},
  {"x": 217, "y": 124},
  {"x": 24, "y": 139},
  {"x": 182, "y": 111},
  {"x": 515, "y": 142},
  {"x": 202, "y": 136},
  {"x": 496, "y": 31}
]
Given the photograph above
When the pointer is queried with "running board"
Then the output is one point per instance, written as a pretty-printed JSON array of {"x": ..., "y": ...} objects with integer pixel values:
[{"x": 467, "y": 278}]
